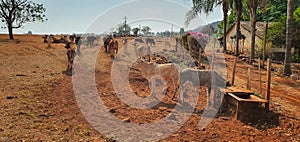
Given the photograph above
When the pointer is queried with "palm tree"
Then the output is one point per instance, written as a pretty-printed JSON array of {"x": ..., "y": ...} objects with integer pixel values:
[
  {"x": 207, "y": 6},
  {"x": 288, "y": 42},
  {"x": 225, "y": 6},
  {"x": 252, "y": 5},
  {"x": 238, "y": 5}
]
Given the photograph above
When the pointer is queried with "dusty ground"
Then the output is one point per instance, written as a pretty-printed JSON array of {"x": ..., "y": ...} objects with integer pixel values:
[{"x": 38, "y": 102}]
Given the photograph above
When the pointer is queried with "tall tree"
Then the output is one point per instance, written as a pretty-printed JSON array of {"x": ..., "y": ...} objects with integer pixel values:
[
  {"x": 289, "y": 28},
  {"x": 252, "y": 6},
  {"x": 225, "y": 5},
  {"x": 238, "y": 4},
  {"x": 123, "y": 29},
  {"x": 15, "y": 13}
]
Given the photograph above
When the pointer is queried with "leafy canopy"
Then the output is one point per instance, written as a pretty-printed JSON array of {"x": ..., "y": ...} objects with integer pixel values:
[{"x": 16, "y": 13}]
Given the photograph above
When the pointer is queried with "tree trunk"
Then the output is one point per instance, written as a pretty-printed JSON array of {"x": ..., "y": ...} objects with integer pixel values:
[
  {"x": 253, "y": 28},
  {"x": 238, "y": 21},
  {"x": 10, "y": 31},
  {"x": 225, "y": 11},
  {"x": 289, "y": 30}
]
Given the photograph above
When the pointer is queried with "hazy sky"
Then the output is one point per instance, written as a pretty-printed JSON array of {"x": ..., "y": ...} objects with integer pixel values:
[{"x": 98, "y": 16}]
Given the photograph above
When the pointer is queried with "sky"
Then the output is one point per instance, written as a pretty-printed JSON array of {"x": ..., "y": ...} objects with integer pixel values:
[{"x": 103, "y": 16}]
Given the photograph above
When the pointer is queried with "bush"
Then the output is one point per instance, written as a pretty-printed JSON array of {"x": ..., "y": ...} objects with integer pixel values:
[{"x": 296, "y": 58}]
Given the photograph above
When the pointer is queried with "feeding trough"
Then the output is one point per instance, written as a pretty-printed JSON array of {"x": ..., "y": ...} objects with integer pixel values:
[{"x": 246, "y": 103}]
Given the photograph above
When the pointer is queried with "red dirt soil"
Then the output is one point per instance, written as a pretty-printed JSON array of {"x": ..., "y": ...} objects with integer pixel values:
[{"x": 38, "y": 102}]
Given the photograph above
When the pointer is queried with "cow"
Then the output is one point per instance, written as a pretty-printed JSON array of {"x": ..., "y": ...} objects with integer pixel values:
[
  {"x": 167, "y": 43},
  {"x": 166, "y": 71},
  {"x": 113, "y": 48},
  {"x": 150, "y": 41},
  {"x": 61, "y": 40},
  {"x": 45, "y": 38},
  {"x": 208, "y": 78},
  {"x": 106, "y": 41},
  {"x": 48, "y": 39},
  {"x": 78, "y": 43},
  {"x": 142, "y": 50},
  {"x": 139, "y": 40},
  {"x": 91, "y": 40},
  {"x": 70, "y": 55},
  {"x": 72, "y": 38},
  {"x": 125, "y": 43}
]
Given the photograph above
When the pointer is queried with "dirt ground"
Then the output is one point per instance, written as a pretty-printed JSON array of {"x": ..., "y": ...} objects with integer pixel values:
[{"x": 38, "y": 101}]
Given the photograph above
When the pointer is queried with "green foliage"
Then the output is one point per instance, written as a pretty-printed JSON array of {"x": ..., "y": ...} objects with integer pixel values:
[
  {"x": 272, "y": 12},
  {"x": 146, "y": 30},
  {"x": 123, "y": 29},
  {"x": 277, "y": 31},
  {"x": 296, "y": 58}
]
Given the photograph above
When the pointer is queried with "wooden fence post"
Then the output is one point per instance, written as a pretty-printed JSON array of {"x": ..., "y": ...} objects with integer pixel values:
[
  {"x": 259, "y": 69},
  {"x": 233, "y": 71},
  {"x": 249, "y": 79},
  {"x": 268, "y": 83},
  {"x": 199, "y": 65}
]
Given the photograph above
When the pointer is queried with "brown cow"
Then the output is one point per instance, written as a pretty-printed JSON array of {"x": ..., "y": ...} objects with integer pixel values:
[
  {"x": 113, "y": 48},
  {"x": 208, "y": 78},
  {"x": 71, "y": 55}
]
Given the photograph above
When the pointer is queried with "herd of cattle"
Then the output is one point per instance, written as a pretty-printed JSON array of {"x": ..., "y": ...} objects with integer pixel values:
[{"x": 142, "y": 49}]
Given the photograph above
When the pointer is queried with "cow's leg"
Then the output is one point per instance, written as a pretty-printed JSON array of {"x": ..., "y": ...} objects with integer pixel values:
[{"x": 208, "y": 96}]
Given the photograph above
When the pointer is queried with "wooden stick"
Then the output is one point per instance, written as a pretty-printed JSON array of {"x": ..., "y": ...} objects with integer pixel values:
[
  {"x": 212, "y": 62},
  {"x": 259, "y": 69},
  {"x": 233, "y": 71},
  {"x": 199, "y": 65},
  {"x": 249, "y": 79},
  {"x": 268, "y": 83}
]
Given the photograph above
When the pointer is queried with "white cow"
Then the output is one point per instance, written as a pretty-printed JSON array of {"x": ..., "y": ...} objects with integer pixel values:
[
  {"x": 166, "y": 71},
  {"x": 142, "y": 50}
]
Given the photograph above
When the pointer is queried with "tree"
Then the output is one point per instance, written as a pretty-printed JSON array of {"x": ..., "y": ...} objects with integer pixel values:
[
  {"x": 167, "y": 33},
  {"x": 181, "y": 32},
  {"x": 15, "y": 13},
  {"x": 288, "y": 42},
  {"x": 225, "y": 6},
  {"x": 238, "y": 4},
  {"x": 146, "y": 29},
  {"x": 252, "y": 5},
  {"x": 135, "y": 31},
  {"x": 123, "y": 29}
]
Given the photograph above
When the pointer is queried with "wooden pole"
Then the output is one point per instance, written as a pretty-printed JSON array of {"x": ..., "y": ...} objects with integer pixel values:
[
  {"x": 212, "y": 62},
  {"x": 249, "y": 79},
  {"x": 199, "y": 65},
  {"x": 268, "y": 83},
  {"x": 259, "y": 69},
  {"x": 265, "y": 44},
  {"x": 233, "y": 71}
]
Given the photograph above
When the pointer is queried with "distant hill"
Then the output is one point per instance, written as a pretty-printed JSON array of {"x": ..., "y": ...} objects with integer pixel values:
[{"x": 207, "y": 28}]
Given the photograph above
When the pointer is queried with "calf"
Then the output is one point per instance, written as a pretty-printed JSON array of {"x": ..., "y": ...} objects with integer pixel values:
[{"x": 208, "y": 78}]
